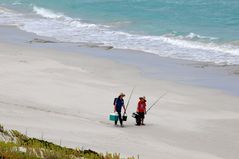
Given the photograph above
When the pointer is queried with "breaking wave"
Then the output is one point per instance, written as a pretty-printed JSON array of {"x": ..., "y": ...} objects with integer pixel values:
[{"x": 64, "y": 28}]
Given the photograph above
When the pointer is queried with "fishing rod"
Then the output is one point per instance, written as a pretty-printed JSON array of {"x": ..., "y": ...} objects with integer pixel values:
[
  {"x": 156, "y": 101},
  {"x": 129, "y": 98}
]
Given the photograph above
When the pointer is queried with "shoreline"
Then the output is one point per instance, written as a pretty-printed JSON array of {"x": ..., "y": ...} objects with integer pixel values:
[
  {"x": 201, "y": 74},
  {"x": 62, "y": 94}
]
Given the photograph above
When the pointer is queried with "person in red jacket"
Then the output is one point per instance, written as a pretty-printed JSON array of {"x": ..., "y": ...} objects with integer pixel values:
[{"x": 141, "y": 110}]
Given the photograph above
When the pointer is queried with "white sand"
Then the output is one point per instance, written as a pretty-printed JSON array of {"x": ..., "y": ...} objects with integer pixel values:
[{"x": 66, "y": 98}]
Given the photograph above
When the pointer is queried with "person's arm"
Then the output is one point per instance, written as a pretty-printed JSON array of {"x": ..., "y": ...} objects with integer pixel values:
[
  {"x": 145, "y": 109},
  {"x": 124, "y": 108},
  {"x": 138, "y": 107}
]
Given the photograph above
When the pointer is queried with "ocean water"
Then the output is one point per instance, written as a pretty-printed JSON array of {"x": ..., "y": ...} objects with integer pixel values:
[{"x": 199, "y": 30}]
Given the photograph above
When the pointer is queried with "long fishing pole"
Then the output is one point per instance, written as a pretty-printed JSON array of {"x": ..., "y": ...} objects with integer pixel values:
[
  {"x": 129, "y": 98},
  {"x": 156, "y": 101}
]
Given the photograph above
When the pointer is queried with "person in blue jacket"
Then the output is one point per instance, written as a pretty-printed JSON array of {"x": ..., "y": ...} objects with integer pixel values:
[{"x": 118, "y": 104}]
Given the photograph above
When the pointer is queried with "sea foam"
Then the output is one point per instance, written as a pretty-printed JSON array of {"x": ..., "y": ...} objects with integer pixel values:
[
  {"x": 47, "y": 13},
  {"x": 64, "y": 28}
]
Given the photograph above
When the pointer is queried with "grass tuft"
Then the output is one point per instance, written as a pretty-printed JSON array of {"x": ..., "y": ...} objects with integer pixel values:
[{"x": 32, "y": 148}]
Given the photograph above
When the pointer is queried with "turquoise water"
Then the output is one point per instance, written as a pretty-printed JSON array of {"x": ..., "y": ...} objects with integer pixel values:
[{"x": 198, "y": 30}]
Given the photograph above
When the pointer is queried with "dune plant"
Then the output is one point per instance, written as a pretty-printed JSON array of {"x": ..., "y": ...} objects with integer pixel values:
[{"x": 24, "y": 147}]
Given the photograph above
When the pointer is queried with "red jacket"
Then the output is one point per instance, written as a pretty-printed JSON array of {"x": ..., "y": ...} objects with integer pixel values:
[{"x": 141, "y": 107}]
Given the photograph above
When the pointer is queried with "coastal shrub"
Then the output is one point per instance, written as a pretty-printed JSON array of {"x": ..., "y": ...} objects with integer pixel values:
[
  {"x": 19, "y": 136},
  {"x": 1, "y": 128},
  {"x": 112, "y": 156},
  {"x": 24, "y": 147},
  {"x": 10, "y": 150}
]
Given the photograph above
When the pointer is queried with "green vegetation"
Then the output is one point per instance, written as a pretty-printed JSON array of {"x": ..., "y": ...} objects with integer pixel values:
[{"x": 19, "y": 146}]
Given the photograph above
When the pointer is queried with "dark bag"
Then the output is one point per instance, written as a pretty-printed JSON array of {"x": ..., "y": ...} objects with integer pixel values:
[
  {"x": 135, "y": 115},
  {"x": 137, "y": 118},
  {"x": 124, "y": 117}
]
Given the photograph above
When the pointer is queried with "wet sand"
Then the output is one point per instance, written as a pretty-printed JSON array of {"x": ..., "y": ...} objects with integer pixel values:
[{"x": 64, "y": 95}]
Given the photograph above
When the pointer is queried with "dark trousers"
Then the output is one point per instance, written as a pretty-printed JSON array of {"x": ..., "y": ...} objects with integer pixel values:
[
  {"x": 119, "y": 118},
  {"x": 140, "y": 118}
]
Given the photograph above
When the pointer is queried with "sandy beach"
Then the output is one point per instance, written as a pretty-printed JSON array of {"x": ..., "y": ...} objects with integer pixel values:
[{"x": 66, "y": 97}]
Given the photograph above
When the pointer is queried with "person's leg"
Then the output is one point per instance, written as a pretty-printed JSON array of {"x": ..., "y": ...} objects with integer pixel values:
[
  {"x": 120, "y": 119},
  {"x": 142, "y": 119},
  {"x": 138, "y": 119},
  {"x": 116, "y": 121}
]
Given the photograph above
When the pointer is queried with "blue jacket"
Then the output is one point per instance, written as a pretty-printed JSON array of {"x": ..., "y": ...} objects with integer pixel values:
[{"x": 119, "y": 104}]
